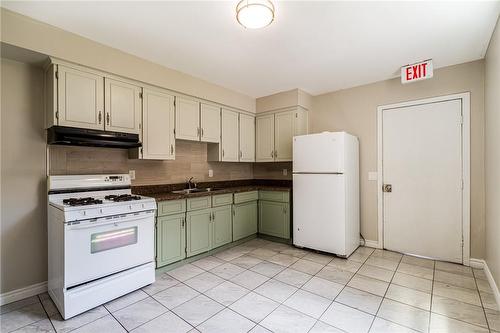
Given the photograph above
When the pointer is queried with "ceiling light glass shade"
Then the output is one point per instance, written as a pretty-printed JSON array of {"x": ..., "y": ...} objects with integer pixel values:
[{"x": 254, "y": 14}]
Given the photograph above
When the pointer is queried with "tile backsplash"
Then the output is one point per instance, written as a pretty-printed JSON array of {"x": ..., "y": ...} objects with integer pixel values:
[{"x": 190, "y": 161}]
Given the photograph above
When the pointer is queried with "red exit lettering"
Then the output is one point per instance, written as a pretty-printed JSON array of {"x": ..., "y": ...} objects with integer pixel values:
[{"x": 415, "y": 72}]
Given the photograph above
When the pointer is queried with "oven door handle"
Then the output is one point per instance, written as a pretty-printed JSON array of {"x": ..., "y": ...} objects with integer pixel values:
[{"x": 104, "y": 221}]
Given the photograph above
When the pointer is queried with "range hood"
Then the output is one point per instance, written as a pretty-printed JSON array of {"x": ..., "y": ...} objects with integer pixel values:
[{"x": 71, "y": 136}]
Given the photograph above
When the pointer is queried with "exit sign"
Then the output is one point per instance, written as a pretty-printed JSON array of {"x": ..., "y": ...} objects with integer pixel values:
[{"x": 417, "y": 72}]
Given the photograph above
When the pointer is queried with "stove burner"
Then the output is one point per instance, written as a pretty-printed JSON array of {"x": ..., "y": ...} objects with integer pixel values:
[
  {"x": 122, "y": 197},
  {"x": 81, "y": 201}
]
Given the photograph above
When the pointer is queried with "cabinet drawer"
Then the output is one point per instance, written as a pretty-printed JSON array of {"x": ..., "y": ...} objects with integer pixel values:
[
  {"x": 279, "y": 196},
  {"x": 171, "y": 207},
  {"x": 246, "y": 196},
  {"x": 199, "y": 203},
  {"x": 222, "y": 199}
]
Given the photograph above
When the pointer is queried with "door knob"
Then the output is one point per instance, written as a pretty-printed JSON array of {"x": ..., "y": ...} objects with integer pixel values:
[{"x": 387, "y": 188}]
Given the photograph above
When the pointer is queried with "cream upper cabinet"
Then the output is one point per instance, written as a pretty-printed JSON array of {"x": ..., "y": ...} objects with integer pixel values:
[
  {"x": 122, "y": 106},
  {"x": 247, "y": 138},
  {"x": 283, "y": 135},
  {"x": 187, "y": 119},
  {"x": 80, "y": 101},
  {"x": 210, "y": 123},
  {"x": 158, "y": 140},
  {"x": 264, "y": 141},
  {"x": 230, "y": 151}
]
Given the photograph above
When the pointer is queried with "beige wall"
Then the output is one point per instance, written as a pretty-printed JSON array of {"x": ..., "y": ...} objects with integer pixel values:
[
  {"x": 272, "y": 170},
  {"x": 492, "y": 154},
  {"x": 23, "y": 188},
  {"x": 283, "y": 100},
  {"x": 22, "y": 31},
  {"x": 355, "y": 110},
  {"x": 190, "y": 161}
]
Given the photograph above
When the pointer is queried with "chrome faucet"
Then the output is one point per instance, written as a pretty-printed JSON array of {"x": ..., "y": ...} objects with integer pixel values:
[{"x": 190, "y": 183}]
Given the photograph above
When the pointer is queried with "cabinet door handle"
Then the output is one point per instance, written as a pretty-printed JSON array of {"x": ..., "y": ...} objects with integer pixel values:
[
  {"x": 276, "y": 153},
  {"x": 272, "y": 153},
  {"x": 241, "y": 154},
  {"x": 183, "y": 221},
  {"x": 99, "y": 117},
  {"x": 107, "y": 118},
  {"x": 171, "y": 149},
  {"x": 222, "y": 152},
  {"x": 198, "y": 131},
  {"x": 202, "y": 132}
]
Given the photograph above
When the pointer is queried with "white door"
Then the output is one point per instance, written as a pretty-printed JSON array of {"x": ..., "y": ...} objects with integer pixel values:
[
  {"x": 158, "y": 139},
  {"x": 210, "y": 123},
  {"x": 230, "y": 150},
  {"x": 123, "y": 106},
  {"x": 247, "y": 138},
  {"x": 283, "y": 135},
  {"x": 187, "y": 119},
  {"x": 422, "y": 161},
  {"x": 80, "y": 99},
  {"x": 264, "y": 141}
]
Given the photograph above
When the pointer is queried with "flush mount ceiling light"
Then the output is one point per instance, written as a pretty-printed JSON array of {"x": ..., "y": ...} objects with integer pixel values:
[{"x": 255, "y": 14}]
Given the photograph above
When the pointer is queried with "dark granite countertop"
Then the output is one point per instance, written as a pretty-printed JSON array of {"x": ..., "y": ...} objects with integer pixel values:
[{"x": 164, "y": 192}]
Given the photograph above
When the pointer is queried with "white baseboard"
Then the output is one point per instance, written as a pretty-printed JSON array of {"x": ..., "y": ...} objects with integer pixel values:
[
  {"x": 369, "y": 243},
  {"x": 18, "y": 294},
  {"x": 482, "y": 264}
]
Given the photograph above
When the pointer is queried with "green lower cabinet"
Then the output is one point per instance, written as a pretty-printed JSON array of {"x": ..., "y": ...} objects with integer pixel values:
[
  {"x": 244, "y": 220},
  {"x": 222, "y": 226},
  {"x": 170, "y": 239},
  {"x": 274, "y": 219},
  {"x": 198, "y": 231}
]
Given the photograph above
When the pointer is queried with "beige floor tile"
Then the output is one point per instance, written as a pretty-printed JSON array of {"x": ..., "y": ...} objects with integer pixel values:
[
  {"x": 368, "y": 284},
  {"x": 308, "y": 303},
  {"x": 359, "y": 299},
  {"x": 283, "y": 259},
  {"x": 385, "y": 254},
  {"x": 321, "y": 327},
  {"x": 20, "y": 317},
  {"x": 249, "y": 279},
  {"x": 267, "y": 268},
  {"x": 382, "y": 263},
  {"x": 227, "y": 270},
  {"x": 263, "y": 253},
  {"x": 322, "y": 287},
  {"x": 307, "y": 266},
  {"x": 139, "y": 313},
  {"x": 246, "y": 261},
  {"x": 359, "y": 257},
  {"x": 335, "y": 275},
  {"x": 254, "y": 306},
  {"x": 459, "y": 310},
  {"x": 125, "y": 300},
  {"x": 21, "y": 303},
  {"x": 484, "y": 285},
  {"x": 404, "y": 315},
  {"x": 409, "y": 296},
  {"x": 198, "y": 310},
  {"x": 479, "y": 274},
  {"x": 443, "y": 324},
  {"x": 40, "y": 326},
  {"x": 163, "y": 282},
  {"x": 459, "y": 280},
  {"x": 286, "y": 320},
  {"x": 412, "y": 282},
  {"x": 345, "y": 264},
  {"x": 376, "y": 272},
  {"x": 384, "y": 326},
  {"x": 204, "y": 281},
  {"x": 166, "y": 323},
  {"x": 106, "y": 324},
  {"x": 320, "y": 258},
  {"x": 276, "y": 290},
  {"x": 226, "y": 321},
  {"x": 493, "y": 319},
  {"x": 489, "y": 301},
  {"x": 227, "y": 293},
  {"x": 411, "y": 260},
  {"x": 461, "y": 294},
  {"x": 453, "y": 268},
  {"x": 208, "y": 263},
  {"x": 293, "y": 277},
  {"x": 67, "y": 325},
  {"x": 185, "y": 272},
  {"x": 347, "y": 318},
  {"x": 418, "y": 271},
  {"x": 296, "y": 252},
  {"x": 278, "y": 247},
  {"x": 176, "y": 295}
]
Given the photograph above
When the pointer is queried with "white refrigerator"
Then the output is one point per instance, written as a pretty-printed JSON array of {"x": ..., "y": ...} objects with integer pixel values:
[{"x": 326, "y": 192}]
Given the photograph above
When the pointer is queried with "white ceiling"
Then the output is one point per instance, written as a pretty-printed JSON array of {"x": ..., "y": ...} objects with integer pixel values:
[{"x": 312, "y": 45}]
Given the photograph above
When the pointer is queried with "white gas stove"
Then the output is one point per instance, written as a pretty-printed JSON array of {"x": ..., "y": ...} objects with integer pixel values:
[{"x": 101, "y": 240}]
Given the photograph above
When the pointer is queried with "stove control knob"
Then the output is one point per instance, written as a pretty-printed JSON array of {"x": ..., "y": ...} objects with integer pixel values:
[
  {"x": 100, "y": 210},
  {"x": 130, "y": 207},
  {"x": 84, "y": 212}
]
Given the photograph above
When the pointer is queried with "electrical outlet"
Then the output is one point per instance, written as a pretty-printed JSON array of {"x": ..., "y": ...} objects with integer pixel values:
[
  {"x": 210, "y": 173},
  {"x": 132, "y": 174},
  {"x": 285, "y": 172}
]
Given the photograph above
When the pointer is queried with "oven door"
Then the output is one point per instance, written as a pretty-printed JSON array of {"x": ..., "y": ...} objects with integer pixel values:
[{"x": 97, "y": 248}]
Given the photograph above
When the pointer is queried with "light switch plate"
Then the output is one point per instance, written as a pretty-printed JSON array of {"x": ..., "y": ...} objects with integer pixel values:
[
  {"x": 210, "y": 173},
  {"x": 132, "y": 174},
  {"x": 372, "y": 175}
]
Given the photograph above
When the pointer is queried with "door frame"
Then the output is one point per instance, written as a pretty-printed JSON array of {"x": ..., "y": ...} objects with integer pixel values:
[{"x": 465, "y": 99}]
